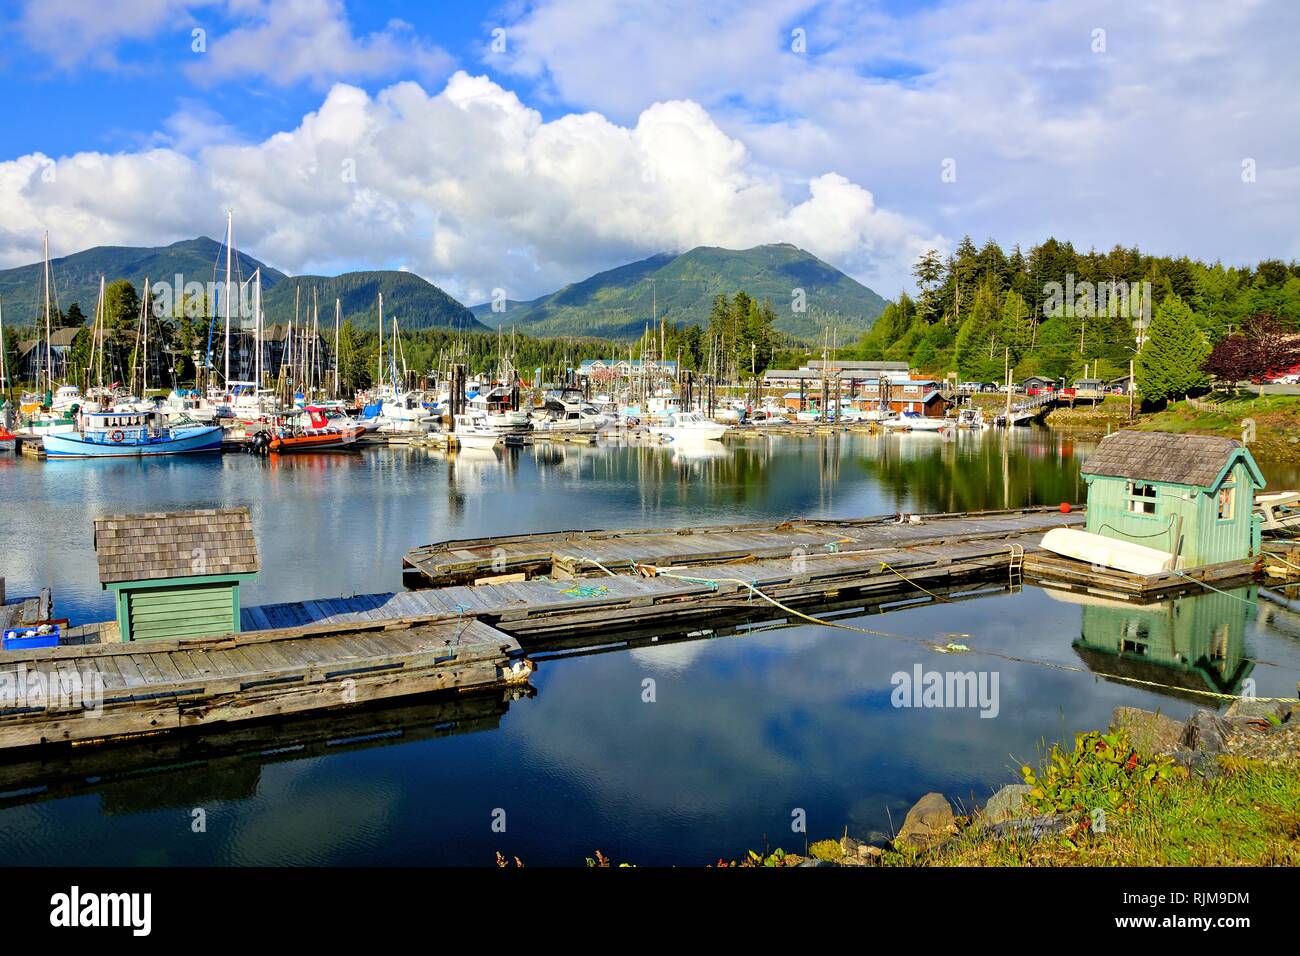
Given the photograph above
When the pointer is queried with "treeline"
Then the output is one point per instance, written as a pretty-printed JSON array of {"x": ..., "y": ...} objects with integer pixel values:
[{"x": 1056, "y": 311}]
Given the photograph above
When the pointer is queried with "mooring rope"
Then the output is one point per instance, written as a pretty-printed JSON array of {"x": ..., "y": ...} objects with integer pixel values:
[{"x": 952, "y": 647}]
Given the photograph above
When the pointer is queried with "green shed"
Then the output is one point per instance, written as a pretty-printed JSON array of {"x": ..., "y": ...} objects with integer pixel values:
[
  {"x": 176, "y": 574},
  {"x": 1190, "y": 495}
]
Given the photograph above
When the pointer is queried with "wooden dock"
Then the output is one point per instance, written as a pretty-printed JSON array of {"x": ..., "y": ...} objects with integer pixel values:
[
  {"x": 93, "y": 693},
  {"x": 571, "y": 554}
]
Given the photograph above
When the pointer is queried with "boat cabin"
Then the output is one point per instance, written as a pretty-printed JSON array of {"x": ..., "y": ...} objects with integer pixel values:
[
  {"x": 1188, "y": 495},
  {"x": 176, "y": 574}
]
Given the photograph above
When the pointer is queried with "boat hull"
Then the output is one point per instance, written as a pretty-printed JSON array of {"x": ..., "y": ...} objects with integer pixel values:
[{"x": 192, "y": 442}]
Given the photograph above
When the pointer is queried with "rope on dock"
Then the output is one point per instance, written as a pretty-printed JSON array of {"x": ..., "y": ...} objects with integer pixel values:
[{"x": 947, "y": 648}]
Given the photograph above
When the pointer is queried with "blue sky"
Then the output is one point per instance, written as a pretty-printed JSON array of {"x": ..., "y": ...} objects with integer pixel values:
[{"x": 391, "y": 134}]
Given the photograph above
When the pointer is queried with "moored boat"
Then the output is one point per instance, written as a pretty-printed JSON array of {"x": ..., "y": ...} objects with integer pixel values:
[
  {"x": 131, "y": 435},
  {"x": 689, "y": 427},
  {"x": 326, "y": 429}
]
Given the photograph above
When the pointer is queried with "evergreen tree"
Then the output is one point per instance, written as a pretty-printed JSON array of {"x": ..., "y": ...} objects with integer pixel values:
[{"x": 1171, "y": 362}]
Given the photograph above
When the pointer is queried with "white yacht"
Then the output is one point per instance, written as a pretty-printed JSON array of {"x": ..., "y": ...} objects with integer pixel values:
[
  {"x": 689, "y": 427},
  {"x": 496, "y": 405},
  {"x": 474, "y": 431}
]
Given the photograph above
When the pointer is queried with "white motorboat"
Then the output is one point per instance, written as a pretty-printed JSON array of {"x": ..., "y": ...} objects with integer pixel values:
[
  {"x": 689, "y": 427},
  {"x": 916, "y": 422},
  {"x": 474, "y": 431},
  {"x": 567, "y": 411},
  {"x": 497, "y": 407}
]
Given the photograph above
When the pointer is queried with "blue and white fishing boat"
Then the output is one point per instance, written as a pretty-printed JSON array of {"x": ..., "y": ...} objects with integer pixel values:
[{"x": 132, "y": 435}]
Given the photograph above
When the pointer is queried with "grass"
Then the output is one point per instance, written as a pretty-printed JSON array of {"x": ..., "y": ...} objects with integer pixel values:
[
  {"x": 1276, "y": 418},
  {"x": 1158, "y": 814}
]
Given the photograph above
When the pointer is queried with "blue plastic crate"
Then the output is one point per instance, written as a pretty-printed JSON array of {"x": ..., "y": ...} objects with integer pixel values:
[{"x": 15, "y": 641}]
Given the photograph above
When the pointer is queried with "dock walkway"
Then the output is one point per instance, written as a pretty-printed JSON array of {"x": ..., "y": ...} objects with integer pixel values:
[{"x": 155, "y": 686}]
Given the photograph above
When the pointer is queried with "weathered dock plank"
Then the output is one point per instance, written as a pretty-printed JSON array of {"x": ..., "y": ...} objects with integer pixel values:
[{"x": 156, "y": 686}]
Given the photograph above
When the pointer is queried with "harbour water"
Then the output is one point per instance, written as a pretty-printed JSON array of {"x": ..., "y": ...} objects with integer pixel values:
[{"x": 747, "y": 731}]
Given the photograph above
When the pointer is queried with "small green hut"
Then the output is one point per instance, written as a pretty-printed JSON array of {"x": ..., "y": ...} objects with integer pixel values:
[
  {"x": 1190, "y": 495},
  {"x": 176, "y": 574}
]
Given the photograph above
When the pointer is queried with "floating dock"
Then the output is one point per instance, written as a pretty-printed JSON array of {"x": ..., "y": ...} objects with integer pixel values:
[{"x": 94, "y": 693}]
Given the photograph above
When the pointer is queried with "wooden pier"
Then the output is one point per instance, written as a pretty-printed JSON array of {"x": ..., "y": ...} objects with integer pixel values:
[{"x": 93, "y": 693}]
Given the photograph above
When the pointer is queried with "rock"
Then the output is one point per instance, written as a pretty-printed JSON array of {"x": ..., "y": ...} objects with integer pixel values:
[
  {"x": 1250, "y": 707},
  {"x": 1032, "y": 828},
  {"x": 1205, "y": 731},
  {"x": 1006, "y": 803},
  {"x": 1148, "y": 732},
  {"x": 1200, "y": 762},
  {"x": 928, "y": 822}
]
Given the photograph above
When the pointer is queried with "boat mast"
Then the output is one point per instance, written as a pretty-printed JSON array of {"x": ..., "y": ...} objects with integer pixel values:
[
  {"x": 257, "y": 327},
  {"x": 4, "y": 369},
  {"x": 230, "y": 241},
  {"x": 379, "y": 382},
  {"x": 337, "y": 310},
  {"x": 49, "y": 352},
  {"x": 144, "y": 353}
]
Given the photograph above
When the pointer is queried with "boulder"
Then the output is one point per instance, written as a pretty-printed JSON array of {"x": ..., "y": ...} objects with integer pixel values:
[
  {"x": 1149, "y": 733},
  {"x": 928, "y": 822},
  {"x": 1205, "y": 731},
  {"x": 1006, "y": 803},
  {"x": 1249, "y": 707}
]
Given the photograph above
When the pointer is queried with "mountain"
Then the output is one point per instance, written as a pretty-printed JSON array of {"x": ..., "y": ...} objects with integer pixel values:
[
  {"x": 76, "y": 277},
  {"x": 617, "y": 303},
  {"x": 414, "y": 302}
]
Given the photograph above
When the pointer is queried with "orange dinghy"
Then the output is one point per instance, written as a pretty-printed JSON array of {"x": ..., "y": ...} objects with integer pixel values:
[{"x": 326, "y": 429}]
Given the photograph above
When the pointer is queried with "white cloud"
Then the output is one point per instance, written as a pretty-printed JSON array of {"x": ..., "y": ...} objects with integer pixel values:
[
  {"x": 468, "y": 187},
  {"x": 292, "y": 41},
  {"x": 72, "y": 33},
  {"x": 283, "y": 42},
  {"x": 1141, "y": 143}
]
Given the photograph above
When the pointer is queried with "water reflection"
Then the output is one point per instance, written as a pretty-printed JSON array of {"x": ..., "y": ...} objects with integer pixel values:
[{"x": 1181, "y": 646}]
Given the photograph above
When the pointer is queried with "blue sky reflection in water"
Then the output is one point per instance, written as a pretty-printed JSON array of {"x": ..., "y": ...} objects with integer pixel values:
[{"x": 745, "y": 727}]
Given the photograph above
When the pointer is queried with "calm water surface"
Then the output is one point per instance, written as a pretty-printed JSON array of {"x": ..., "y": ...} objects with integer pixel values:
[{"x": 747, "y": 726}]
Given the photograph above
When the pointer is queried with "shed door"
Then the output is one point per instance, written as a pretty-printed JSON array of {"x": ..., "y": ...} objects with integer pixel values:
[{"x": 197, "y": 611}]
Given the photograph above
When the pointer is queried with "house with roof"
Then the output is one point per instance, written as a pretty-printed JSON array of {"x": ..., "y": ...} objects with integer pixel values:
[
  {"x": 1191, "y": 496},
  {"x": 31, "y": 354},
  {"x": 176, "y": 574}
]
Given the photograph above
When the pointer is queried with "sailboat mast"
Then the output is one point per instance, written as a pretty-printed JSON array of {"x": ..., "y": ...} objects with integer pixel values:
[
  {"x": 230, "y": 241},
  {"x": 4, "y": 369},
  {"x": 144, "y": 350},
  {"x": 257, "y": 327},
  {"x": 379, "y": 382},
  {"x": 337, "y": 311},
  {"x": 49, "y": 352}
]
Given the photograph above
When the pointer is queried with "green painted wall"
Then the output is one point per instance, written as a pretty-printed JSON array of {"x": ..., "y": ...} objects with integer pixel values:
[
  {"x": 178, "y": 608},
  {"x": 1182, "y": 511}
]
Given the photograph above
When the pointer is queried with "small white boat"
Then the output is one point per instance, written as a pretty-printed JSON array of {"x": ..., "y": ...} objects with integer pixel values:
[
  {"x": 916, "y": 422},
  {"x": 474, "y": 431},
  {"x": 689, "y": 427},
  {"x": 1109, "y": 552}
]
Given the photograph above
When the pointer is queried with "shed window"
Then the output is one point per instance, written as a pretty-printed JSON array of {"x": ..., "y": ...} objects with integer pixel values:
[
  {"x": 1141, "y": 498},
  {"x": 1227, "y": 496}
]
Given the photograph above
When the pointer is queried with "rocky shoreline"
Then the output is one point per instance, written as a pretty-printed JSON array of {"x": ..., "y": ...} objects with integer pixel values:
[{"x": 1251, "y": 732}]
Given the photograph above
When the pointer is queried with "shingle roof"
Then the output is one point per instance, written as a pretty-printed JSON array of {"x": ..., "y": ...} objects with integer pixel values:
[
  {"x": 175, "y": 544},
  {"x": 1160, "y": 456}
]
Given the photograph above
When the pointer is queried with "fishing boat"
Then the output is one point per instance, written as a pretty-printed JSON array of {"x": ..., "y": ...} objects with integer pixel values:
[
  {"x": 326, "y": 429},
  {"x": 474, "y": 431},
  {"x": 689, "y": 427},
  {"x": 131, "y": 435}
]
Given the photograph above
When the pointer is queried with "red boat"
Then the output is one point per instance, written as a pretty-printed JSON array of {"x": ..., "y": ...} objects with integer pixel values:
[{"x": 326, "y": 429}]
